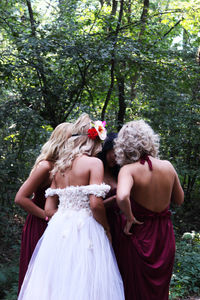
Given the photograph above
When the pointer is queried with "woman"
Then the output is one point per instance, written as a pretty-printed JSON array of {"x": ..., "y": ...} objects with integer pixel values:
[
  {"x": 36, "y": 184},
  {"x": 74, "y": 255},
  {"x": 111, "y": 170},
  {"x": 146, "y": 187}
]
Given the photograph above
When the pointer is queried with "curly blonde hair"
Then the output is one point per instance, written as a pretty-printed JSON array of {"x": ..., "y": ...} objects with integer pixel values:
[
  {"x": 78, "y": 144},
  {"x": 135, "y": 139},
  {"x": 54, "y": 145}
]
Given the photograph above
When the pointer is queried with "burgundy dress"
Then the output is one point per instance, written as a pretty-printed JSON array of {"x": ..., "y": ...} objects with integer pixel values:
[
  {"x": 146, "y": 257},
  {"x": 113, "y": 214},
  {"x": 32, "y": 231}
]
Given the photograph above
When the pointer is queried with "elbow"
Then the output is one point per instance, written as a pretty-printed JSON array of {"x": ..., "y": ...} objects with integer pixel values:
[
  {"x": 181, "y": 200},
  {"x": 96, "y": 207},
  {"x": 122, "y": 198},
  {"x": 17, "y": 200},
  {"x": 179, "y": 203}
]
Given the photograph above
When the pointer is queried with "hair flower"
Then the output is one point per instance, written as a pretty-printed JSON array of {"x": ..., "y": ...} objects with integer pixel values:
[
  {"x": 92, "y": 133},
  {"x": 98, "y": 129}
]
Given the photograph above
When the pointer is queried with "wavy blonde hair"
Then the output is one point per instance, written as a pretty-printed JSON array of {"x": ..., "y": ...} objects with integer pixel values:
[
  {"x": 56, "y": 142},
  {"x": 135, "y": 139},
  {"x": 78, "y": 144}
]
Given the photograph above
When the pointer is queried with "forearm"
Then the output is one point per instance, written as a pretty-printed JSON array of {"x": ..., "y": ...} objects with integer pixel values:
[
  {"x": 109, "y": 201},
  {"x": 125, "y": 206},
  {"x": 99, "y": 214},
  {"x": 31, "y": 208}
]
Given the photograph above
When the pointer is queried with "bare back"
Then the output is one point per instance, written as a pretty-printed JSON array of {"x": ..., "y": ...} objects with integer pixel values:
[
  {"x": 85, "y": 170},
  {"x": 154, "y": 189}
]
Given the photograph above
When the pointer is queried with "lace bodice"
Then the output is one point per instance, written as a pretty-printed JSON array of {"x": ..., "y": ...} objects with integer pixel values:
[{"x": 77, "y": 197}]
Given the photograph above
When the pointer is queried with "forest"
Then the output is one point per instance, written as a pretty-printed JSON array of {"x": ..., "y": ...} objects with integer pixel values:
[{"x": 117, "y": 60}]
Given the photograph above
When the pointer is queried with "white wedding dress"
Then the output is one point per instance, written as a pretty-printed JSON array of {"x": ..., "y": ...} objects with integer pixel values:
[{"x": 73, "y": 260}]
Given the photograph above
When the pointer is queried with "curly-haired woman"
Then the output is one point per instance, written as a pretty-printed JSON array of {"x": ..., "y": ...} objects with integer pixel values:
[{"x": 146, "y": 187}]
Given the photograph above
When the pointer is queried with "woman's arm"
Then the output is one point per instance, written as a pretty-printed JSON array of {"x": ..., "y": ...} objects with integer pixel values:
[
  {"x": 96, "y": 203},
  {"x": 177, "y": 191},
  {"x": 51, "y": 205},
  {"x": 124, "y": 186},
  {"x": 109, "y": 201},
  {"x": 36, "y": 179}
]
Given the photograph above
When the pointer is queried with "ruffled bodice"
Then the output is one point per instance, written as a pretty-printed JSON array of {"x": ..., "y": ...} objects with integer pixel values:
[{"x": 77, "y": 197}]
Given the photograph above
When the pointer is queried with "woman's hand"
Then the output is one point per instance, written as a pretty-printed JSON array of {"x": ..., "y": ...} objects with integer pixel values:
[
  {"x": 49, "y": 213},
  {"x": 129, "y": 224}
]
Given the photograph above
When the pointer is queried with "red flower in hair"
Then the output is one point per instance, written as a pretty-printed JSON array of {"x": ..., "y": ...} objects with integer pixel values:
[{"x": 92, "y": 133}]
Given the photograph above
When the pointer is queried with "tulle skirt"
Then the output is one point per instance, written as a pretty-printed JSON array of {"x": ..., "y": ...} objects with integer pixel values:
[{"x": 73, "y": 260}]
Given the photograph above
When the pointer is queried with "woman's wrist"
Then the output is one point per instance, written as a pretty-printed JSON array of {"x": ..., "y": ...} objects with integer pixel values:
[{"x": 130, "y": 218}]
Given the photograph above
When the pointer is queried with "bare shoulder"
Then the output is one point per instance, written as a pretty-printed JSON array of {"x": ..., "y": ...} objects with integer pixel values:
[
  {"x": 127, "y": 169},
  {"x": 95, "y": 161},
  {"x": 88, "y": 164},
  {"x": 44, "y": 166},
  {"x": 167, "y": 164}
]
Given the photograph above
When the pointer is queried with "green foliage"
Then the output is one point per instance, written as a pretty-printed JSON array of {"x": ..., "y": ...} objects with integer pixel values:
[
  {"x": 186, "y": 277},
  {"x": 8, "y": 281},
  {"x": 75, "y": 56},
  {"x": 21, "y": 136},
  {"x": 11, "y": 226}
]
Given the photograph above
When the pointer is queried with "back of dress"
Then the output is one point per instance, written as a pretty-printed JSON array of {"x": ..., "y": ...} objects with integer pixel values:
[
  {"x": 76, "y": 198},
  {"x": 146, "y": 257}
]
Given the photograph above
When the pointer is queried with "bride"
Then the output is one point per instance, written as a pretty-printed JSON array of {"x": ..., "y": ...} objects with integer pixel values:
[{"x": 74, "y": 259}]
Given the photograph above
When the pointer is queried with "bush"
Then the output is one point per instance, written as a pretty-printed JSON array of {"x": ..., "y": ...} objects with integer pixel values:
[
  {"x": 10, "y": 236},
  {"x": 186, "y": 276},
  {"x": 9, "y": 281}
]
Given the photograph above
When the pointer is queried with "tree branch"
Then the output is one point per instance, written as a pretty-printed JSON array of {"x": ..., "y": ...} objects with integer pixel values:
[{"x": 160, "y": 39}]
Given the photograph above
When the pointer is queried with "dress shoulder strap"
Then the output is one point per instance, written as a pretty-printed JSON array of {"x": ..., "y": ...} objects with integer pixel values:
[{"x": 146, "y": 158}]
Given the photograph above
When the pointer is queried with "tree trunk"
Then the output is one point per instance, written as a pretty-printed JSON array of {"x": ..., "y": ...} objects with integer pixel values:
[
  {"x": 113, "y": 59},
  {"x": 122, "y": 104}
]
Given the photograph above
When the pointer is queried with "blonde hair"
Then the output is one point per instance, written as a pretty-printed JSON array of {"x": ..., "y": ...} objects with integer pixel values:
[
  {"x": 78, "y": 144},
  {"x": 135, "y": 139},
  {"x": 56, "y": 142}
]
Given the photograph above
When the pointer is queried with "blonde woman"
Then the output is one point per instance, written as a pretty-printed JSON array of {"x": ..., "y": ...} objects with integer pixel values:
[
  {"x": 146, "y": 187},
  {"x": 74, "y": 255},
  {"x": 36, "y": 184}
]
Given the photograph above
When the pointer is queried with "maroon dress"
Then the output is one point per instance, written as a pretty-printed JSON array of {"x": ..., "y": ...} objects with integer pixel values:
[
  {"x": 146, "y": 257},
  {"x": 32, "y": 231},
  {"x": 113, "y": 214}
]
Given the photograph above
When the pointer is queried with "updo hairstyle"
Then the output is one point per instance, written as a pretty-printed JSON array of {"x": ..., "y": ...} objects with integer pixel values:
[{"x": 135, "y": 139}]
